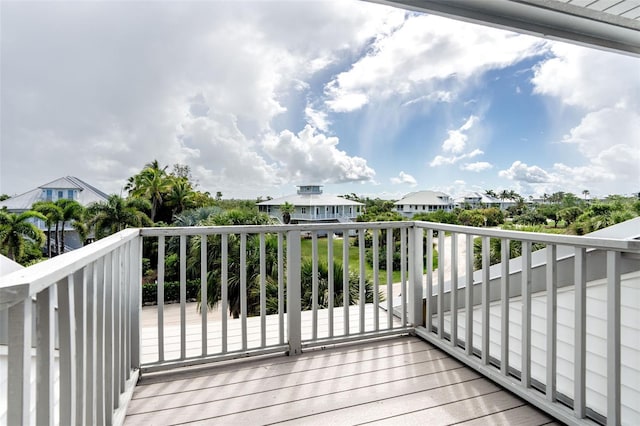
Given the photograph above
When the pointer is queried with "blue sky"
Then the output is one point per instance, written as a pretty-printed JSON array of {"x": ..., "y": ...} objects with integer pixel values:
[{"x": 258, "y": 97}]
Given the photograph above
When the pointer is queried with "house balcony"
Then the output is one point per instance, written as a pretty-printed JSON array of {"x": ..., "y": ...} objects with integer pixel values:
[{"x": 551, "y": 335}]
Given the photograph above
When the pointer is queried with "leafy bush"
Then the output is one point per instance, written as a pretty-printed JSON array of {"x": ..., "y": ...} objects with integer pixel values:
[{"x": 171, "y": 292}]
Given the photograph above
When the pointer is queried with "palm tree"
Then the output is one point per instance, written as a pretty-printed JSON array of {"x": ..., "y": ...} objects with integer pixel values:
[
  {"x": 116, "y": 214},
  {"x": 151, "y": 184},
  {"x": 181, "y": 195},
  {"x": 15, "y": 228},
  {"x": 491, "y": 193},
  {"x": 71, "y": 211},
  {"x": 286, "y": 209},
  {"x": 585, "y": 193},
  {"x": 53, "y": 214}
]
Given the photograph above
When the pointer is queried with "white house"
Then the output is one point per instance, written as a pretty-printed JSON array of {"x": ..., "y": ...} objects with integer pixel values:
[
  {"x": 67, "y": 187},
  {"x": 423, "y": 202},
  {"x": 312, "y": 205},
  {"x": 480, "y": 200}
]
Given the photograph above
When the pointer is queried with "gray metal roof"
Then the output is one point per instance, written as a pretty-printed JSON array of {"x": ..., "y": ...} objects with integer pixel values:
[
  {"x": 87, "y": 193},
  {"x": 483, "y": 198},
  {"x": 426, "y": 198},
  {"x": 604, "y": 24}
]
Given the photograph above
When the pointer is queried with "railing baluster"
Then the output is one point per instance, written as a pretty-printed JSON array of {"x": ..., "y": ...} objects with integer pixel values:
[
  {"x": 415, "y": 275},
  {"x": 330, "y": 279},
  {"x": 183, "y": 296},
  {"x": 613, "y": 339},
  {"x": 281, "y": 287},
  {"x": 454, "y": 289},
  {"x": 243, "y": 288},
  {"x": 389, "y": 278},
  {"x": 552, "y": 321},
  {"x": 224, "y": 284},
  {"x": 468, "y": 345},
  {"x": 127, "y": 280},
  {"x": 293, "y": 292},
  {"x": 361, "y": 281},
  {"x": 160, "y": 290},
  {"x": 109, "y": 385},
  {"x": 263, "y": 292},
  {"x": 403, "y": 275},
  {"x": 525, "y": 378},
  {"x": 376, "y": 279},
  {"x": 441, "y": 262},
  {"x": 429, "y": 295},
  {"x": 90, "y": 335},
  {"x": 67, "y": 342},
  {"x": 580, "y": 327},
  {"x": 117, "y": 328},
  {"x": 204, "y": 297},
  {"x": 99, "y": 271},
  {"x": 123, "y": 319},
  {"x": 345, "y": 280},
  {"x": 486, "y": 313},
  {"x": 19, "y": 363},
  {"x": 136, "y": 303},
  {"x": 505, "y": 254},
  {"x": 45, "y": 336},
  {"x": 81, "y": 344},
  {"x": 314, "y": 285}
]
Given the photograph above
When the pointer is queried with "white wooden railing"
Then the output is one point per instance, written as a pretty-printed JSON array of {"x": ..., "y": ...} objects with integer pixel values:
[
  {"x": 97, "y": 293},
  {"x": 95, "y": 360}
]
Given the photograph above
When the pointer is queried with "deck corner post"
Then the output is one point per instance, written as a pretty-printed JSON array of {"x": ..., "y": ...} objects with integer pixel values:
[
  {"x": 416, "y": 276},
  {"x": 293, "y": 292}
]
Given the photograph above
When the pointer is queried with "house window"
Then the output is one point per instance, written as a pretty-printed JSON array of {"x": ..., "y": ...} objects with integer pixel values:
[
  {"x": 60, "y": 195},
  {"x": 49, "y": 194},
  {"x": 70, "y": 194},
  {"x": 303, "y": 210}
]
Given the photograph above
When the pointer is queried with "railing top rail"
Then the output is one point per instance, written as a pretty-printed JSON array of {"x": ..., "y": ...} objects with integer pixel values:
[
  {"x": 17, "y": 286},
  {"x": 630, "y": 245},
  {"x": 211, "y": 230}
]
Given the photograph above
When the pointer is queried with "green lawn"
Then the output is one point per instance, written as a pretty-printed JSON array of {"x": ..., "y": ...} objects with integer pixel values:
[{"x": 354, "y": 263}]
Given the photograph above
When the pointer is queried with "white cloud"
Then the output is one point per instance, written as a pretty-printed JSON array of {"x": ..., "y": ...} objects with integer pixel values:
[
  {"x": 317, "y": 119},
  {"x": 457, "y": 140},
  {"x": 404, "y": 178},
  {"x": 441, "y": 160},
  {"x": 577, "y": 76},
  {"x": 477, "y": 166},
  {"x": 423, "y": 52},
  {"x": 113, "y": 97},
  {"x": 313, "y": 157},
  {"x": 519, "y": 171}
]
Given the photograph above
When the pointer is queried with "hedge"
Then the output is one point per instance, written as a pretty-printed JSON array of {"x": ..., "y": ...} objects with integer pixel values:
[{"x": 171, "y": 292}]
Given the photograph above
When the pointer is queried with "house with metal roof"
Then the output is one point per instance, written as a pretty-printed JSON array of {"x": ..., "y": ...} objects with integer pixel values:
[
  {"x": 312, "y": 205},
  {"x": 424, "y": 202},
  {"x": 68, "y": 187},
  {"x": 480, "y": 200}
]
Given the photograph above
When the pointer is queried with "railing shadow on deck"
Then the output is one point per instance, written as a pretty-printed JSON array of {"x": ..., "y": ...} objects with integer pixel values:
[{"x": 96, "y": 292}]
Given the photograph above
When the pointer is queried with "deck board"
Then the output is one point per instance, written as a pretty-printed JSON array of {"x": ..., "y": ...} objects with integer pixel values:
[{"x": 398, "y": 380}]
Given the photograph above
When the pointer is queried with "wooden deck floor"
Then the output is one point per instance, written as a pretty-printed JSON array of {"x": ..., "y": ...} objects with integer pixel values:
[{"x": 401, "y": 380}]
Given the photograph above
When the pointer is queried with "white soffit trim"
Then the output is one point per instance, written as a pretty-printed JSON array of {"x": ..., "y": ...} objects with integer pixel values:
[{"x": 604, "y": 24}]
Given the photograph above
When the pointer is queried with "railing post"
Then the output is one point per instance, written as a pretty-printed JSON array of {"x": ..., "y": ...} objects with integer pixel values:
[
  {"x": 19, "y": 370},
  {"x": 415, "y": 275},
  {"x": 293, "y": 293},
  {"x": 613, "y": 338},
  {"x": 136, "y": 300}
]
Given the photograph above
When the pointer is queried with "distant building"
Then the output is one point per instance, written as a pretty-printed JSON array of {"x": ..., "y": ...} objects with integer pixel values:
[
  {"x": 312, "y": 205},
  {"x": 424, "y": 202},
  {"x": 479, "y": 200},
  {"x": 68, "y": 187}
]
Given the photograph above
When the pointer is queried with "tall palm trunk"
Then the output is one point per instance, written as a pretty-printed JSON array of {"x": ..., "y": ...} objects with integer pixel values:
[
  {"x": 57, "y": 239},
  {"x": 49, "y": 241},
  {"x": 62, "y": 238}
]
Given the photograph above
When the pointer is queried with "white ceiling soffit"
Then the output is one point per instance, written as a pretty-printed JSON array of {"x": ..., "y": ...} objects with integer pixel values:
[{"x": 605, "y": 24}]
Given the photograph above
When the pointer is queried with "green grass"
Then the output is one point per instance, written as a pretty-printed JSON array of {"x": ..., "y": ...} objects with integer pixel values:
[{"x": 354, "y": 262}]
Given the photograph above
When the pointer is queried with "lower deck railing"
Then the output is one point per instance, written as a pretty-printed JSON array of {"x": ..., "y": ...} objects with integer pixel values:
[{"x": 263, "y": 281}]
